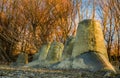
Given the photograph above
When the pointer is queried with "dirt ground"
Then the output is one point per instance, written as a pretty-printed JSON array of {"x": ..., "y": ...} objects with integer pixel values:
[{"x": 24, "y": 72}]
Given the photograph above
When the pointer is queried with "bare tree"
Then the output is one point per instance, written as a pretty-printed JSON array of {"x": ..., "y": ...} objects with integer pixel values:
[{"x": 109, "y": 14}]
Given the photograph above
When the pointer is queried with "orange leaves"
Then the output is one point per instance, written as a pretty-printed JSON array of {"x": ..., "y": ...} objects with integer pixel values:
[
  {"x": 44, "y": 20},
  {"x": 2, "y": 17}
]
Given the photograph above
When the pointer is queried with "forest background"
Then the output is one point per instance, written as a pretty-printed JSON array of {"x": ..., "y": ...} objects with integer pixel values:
[{"x": 25, "y": 25}]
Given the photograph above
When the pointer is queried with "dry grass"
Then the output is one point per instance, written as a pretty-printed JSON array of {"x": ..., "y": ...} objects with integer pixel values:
[{"x": 24, "y": 72}]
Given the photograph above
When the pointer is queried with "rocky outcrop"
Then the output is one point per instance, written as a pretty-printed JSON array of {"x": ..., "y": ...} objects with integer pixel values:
[
  {"x": 89, "y": 37},
  {"x": 42, "y": 53},
  {"x": 22, "y": 59},
  {"x": 92, "y": 61},
  {"x": 47, "y": 58},
  {"x": 55, "y": 52},
  {"x": 68, "y": 47},
  {"x": 86, "y": 51},
  {"x": 35, "y": 56},
  {"x": 89, "y": 51}
]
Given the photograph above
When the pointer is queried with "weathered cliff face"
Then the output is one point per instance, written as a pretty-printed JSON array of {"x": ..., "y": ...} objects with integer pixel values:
[{"x": 89, "y": 37}]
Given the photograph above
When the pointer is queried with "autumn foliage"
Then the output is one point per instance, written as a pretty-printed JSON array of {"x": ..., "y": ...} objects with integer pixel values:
[{"x": 27, "y": 24}]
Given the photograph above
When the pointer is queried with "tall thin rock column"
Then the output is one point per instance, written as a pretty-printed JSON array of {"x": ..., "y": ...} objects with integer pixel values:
[
  {"x": 55, "y": 52},
  {"x": 68, "y": 47}
]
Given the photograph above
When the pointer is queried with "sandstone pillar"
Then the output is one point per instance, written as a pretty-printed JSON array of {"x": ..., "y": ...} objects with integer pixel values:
[
  {"x": 68, "y": 47},
  {"x": 43, "y": 51},
  {"x": 89, "y": 48},
  {"x": 55, "y": 52},
  {"x": 89, "y": 37}
]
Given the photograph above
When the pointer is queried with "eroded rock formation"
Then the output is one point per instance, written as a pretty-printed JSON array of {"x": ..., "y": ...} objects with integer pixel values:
[
  {"x": 22, "y": 59},
  {"x": 89, "y": 51},
  {"x": 44, "y": 51},
  {"x": 55, "y": 52},
  {"x": 86, "y": 51},
  {"x": 47, "y": 57},
  {"x": 89, "y": 37},
  {"x": 68, "y": 47}
]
